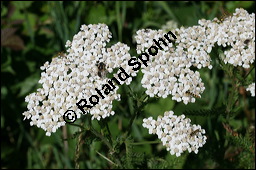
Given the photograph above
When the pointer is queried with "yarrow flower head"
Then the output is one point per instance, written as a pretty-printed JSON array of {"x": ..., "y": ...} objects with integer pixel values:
[
  {"x": 75, "y": 75},
  {"x": 237, "y": 34},
  {"x": 176, "y": 133},
  {"x": 251, "y": 88},
  {"x": 169, "y": 72}
]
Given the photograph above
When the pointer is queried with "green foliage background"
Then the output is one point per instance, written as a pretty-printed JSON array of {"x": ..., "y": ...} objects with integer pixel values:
[{"x": 33, "y": 32}]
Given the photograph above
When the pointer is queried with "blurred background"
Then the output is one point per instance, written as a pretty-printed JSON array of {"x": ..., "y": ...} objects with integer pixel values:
[{"x": 33, "y": 32}]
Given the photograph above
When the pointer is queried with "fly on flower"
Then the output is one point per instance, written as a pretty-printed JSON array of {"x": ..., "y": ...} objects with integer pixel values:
[
  {"x": 247, "y": 41},
  {"x": 59, "y": 54},
  {"x": 102, "y": 72},
  {"x": 192, "y": 94},
  {"x": 195, "y": 132},
  {"x": 225, "y": 14}
]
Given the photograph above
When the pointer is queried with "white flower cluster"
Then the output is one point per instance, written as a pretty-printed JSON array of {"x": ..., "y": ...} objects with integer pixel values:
[
  {"x": 76, "y": 75},
  {"x": 251, "y": 88},
  {"x": 236, "y": 32},
  {"x": 176, "y": 133},
  {"x": 169, "y": 72}
]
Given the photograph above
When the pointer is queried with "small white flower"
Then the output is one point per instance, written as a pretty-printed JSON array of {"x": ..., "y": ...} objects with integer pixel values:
[{"x": 251, "y": 88}]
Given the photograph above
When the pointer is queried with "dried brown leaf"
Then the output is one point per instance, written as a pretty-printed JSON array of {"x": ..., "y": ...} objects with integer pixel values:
[{"x": 14, "y": 42}]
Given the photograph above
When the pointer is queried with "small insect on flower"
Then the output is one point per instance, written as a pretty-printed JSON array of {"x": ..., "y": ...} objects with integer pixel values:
[
  {"x": 195, "y": 132},
  {"x": 59, "y": 54},
  {"x": 147, "y": 30},
  {"x": 192, "y": 94},
  {"x": 225, "y": 15},
  {"x": 247, "y": 41},
  {"x": 102, "y": 72}
]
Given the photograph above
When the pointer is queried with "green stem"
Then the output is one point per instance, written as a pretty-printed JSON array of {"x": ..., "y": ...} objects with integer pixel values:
[
  {"x": 138, "y": 107},
  {"x": 233, "y": 96},
  {"x": 109, "y": 134},
  {"x": 249, "y": 72},
  {"x": 78, "y": 146},
  {"x": 131, "y": 121},
  {"x": 106, "y": 158},
  {"x": 168, "y": 10},
  {"x": 73, "y": 124},
  {"x": 105, "y": 129},
  {"x": 119, "y": 22},
  {"x": 106, "y": 142},
  {"x": 102, "y": 138}
]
